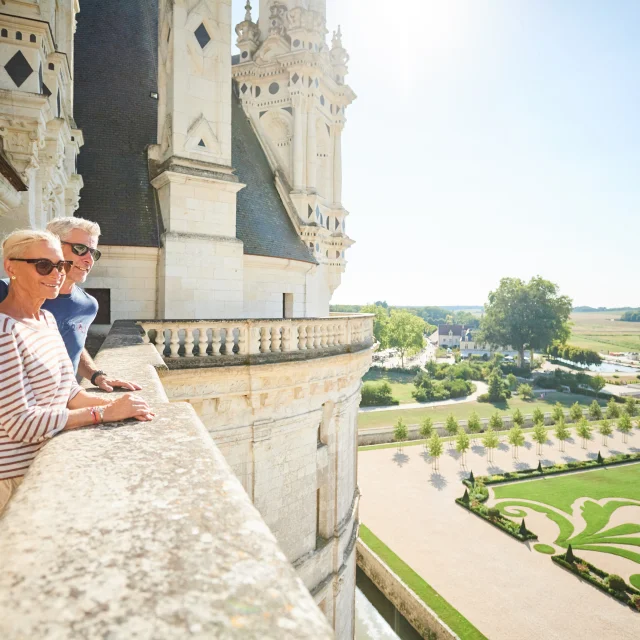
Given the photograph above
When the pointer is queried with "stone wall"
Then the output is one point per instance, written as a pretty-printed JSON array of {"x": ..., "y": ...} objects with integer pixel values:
[
  {"x": 288, "y": 429},
  {"x": 142, "y": 530},
  {"x": 419, "y": 615}
]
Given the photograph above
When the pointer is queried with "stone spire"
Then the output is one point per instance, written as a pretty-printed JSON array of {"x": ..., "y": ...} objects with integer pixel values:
[
  {"x": 248, "y": 35},
  {"x": 339, "y": 57}
]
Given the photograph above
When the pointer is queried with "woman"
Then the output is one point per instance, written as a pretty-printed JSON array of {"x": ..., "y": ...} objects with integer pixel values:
[{"x": 39, "y": 395}]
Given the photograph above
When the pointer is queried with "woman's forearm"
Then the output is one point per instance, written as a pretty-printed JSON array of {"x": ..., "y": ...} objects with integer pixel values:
[
  {"x": 83, "y": 400},
  {"x": 79, "y": 418}
]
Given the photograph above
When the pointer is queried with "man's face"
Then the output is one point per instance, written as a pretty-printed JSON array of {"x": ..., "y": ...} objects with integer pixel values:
[{"x": 82, "y": 265}]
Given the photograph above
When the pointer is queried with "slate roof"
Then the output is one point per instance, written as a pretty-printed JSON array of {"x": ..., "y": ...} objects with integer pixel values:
[
  {"x": 116, "y": 62},
  {"x": 116, "y": 51},
  {"x": 262, "y": 222},
  {"x": 456, "y": 329}
]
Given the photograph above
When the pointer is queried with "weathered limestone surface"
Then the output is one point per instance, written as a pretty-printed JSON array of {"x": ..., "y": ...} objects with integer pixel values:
[{"x": 142, "y": 531}]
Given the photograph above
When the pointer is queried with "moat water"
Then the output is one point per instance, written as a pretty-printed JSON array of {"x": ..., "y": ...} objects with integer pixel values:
[{"x": 376, "y": 617}]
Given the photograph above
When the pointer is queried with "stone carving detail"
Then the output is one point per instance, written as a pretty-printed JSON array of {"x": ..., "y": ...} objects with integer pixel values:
[
  {"x": 278, "y": 20},
  {"x": 311, "y": 21},
  {"x": 339, "y": 55},
  {"x": 248, "y": 31}
]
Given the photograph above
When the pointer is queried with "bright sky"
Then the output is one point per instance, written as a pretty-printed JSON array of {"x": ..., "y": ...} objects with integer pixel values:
[{"x": 490, "y": 138}]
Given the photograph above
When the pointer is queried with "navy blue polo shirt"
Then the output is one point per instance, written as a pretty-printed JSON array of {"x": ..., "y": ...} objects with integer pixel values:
[{"x": 74, "y": 312}]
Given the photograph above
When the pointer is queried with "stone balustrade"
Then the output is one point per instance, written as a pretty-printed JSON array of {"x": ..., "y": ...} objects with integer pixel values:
[
  {"x": 142, "y": 530},
  {"x": 215, "y": 339}
]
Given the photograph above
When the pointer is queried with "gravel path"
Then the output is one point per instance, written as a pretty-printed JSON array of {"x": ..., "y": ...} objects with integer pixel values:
[{"x": 504, "y": 587}]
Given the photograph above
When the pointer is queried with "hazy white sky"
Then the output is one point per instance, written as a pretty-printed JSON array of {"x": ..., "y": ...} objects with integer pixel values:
[{"x": 490, "y": 138}]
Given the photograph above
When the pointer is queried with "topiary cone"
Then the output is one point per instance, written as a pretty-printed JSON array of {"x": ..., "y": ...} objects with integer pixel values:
[
  {"x": 472, "y": 480},
  {"x": 539, "y": 469},
  {"x": 465, "y": 497},
  {"x": 523, "y": 528},
  {"x": 600, "y": 459},
  {"x": 568, "y": 556}
]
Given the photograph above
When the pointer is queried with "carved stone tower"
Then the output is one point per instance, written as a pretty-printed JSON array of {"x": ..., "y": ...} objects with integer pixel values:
[
  {"x": 292, "y": 88},
  {"x": 200, "y": 266}
]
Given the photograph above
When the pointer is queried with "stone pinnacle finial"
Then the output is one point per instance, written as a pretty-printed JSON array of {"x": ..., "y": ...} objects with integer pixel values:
[
  {"x": 247, "y": 15},
  {"x": 337, "y": 38}
]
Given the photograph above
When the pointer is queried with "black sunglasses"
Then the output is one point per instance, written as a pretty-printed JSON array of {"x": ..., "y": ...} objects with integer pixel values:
[
  {"x": 82, "y": 249},
  {"x": 44, "y": 267}
]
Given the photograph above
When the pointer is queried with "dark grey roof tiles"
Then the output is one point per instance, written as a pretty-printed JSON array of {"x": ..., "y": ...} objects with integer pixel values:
[
  {"x": 263, "y": 223},
  {"x": 116, "y": 70}
]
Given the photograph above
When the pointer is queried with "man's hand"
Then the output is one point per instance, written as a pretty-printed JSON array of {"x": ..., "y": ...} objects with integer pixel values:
[{"x": 109, "y": 384}]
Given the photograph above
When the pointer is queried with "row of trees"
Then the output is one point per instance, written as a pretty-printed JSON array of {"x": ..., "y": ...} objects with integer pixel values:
[
  {"x": 631, "y": 316},
  {"x": 574, "y": 354}
]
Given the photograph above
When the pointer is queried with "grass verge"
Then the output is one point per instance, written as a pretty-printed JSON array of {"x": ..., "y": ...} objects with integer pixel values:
[{"x": 448, "y": 614}]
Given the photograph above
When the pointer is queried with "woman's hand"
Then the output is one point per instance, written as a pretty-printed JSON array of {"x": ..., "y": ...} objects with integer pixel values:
[{"x": 128, "y": 406}]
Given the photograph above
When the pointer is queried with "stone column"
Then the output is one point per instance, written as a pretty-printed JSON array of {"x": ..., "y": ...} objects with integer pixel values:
[
  {"x": 337, "y": 163},
  {"x": 312, "y": 153},
  {"x": 298, "y": 145}
]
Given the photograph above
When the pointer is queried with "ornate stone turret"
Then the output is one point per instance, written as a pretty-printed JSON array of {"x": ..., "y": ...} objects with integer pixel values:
[
  {"x": 294, "y": 92},
  {"x": 248, "y": 35}
]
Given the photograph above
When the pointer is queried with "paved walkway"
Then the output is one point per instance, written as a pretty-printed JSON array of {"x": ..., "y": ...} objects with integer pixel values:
[
  {"x": 481, "y": 387},
  {"x": 504, "y": 587}
]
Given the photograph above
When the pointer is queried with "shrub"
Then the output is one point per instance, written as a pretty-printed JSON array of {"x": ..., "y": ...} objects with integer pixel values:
[
  {"x": 458, "y": 388},
  {"x": 483, "y": 397},
  {"x": 525, "y": 391},
  {"x": 575, "y": 413},
  {"x": 493, "y": 513},
  {"x": 595, "y": 412},
  {"x": 616, "y": 583},
  {"x": 613, "y": 411},
  {"x": 538, "y": 416},
  {"x": 377, "y": 394}
]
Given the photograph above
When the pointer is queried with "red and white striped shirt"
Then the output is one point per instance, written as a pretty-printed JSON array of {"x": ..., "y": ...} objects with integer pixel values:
[{"x": 36, "y": 383}]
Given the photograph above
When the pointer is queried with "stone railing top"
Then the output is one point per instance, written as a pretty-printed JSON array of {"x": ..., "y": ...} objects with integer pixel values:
[
  {"x": 247, "y": 341},
  {"x": 142, "y": 530}
]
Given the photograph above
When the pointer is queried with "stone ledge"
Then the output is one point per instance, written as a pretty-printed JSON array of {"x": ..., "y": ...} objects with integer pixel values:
[{"x": 142, "y": 530}]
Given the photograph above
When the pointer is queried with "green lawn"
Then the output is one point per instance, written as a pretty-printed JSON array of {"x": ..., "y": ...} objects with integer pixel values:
[
  {"x": 448, "y": 614},
  {"x": 603, "y": 332},
  {"x": 621, "y": 483},
  {"x": 462, "y": 410},
  {"x": 401, "y": 383}
]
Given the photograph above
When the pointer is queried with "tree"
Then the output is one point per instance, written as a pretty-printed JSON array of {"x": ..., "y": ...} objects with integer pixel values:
[
  {"x": 515, "y": 438},
  {"x": 525, "y": 315},
  {"x": 597, "y": 383},
  {"x": 462, "y": 444},
  {"x": 539, "y": 436},
  {"x": 595, "y": 412},
  {"x": 495, "y": 421},
  {"x": 575, "y": 413},
  {"x": 538, "y": 416},
  {"x": 496, "y": 386},
  {"x": 562, "y": 433},
  {"x": 512, "y": 382},
  {"x": 606, "y": 430},
  {"x": 584, "y": 431},
  {"x": 624, "y": 426},
  {"x": 473, "y": 424},
  {"x": 426, "y": 429},
  {"x": 380, "y": 323},
  {"x": 434, "y": 447},
  {"x": 525, "y": 391},
  {"x": 613, "y": 411},
  {"x": 518, "y": 418},
  {"x": 406, "y": 333},
  {"x": 631, "y": 406},
  {"x": 451, "y": 425},
  {"x": 400, "y": 432},
  {"x": 490, "y": 441},
  {"x": 557, "y": 413}
]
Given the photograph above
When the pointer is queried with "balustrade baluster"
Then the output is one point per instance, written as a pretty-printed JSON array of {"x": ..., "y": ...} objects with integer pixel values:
[
  {"x": 254, "y": 344},
  {"x": 203, "y": 341},
  {"x": 286, "y": 338},
  {"x": 317, "y": 334},
  {"x": 332, "y": 333},
  {"x": 243, "y": 345},
  {"x": 302, "y": 338},
  {"x": 160, "y": 340},
  {"x": 216, "y": 341},
  {"x": 145, "y": 333},
  {"x": 324, "y": 336},
  {"x": 276, "y": 340},
  {"x": 310, "y": 336},
  {"x": 174, "y": 343},
  {"x": 188, "y": 342},
  {"x": 265, "y": 339}
]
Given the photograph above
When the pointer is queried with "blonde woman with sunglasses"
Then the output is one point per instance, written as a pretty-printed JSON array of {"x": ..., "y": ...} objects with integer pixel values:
[{"x": 39, "y": 395}]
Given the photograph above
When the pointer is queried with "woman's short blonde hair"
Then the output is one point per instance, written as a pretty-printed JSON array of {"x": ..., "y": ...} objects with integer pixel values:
[
  {"x": 64, "y": 226},
  {"x": 16, "y": 243}
]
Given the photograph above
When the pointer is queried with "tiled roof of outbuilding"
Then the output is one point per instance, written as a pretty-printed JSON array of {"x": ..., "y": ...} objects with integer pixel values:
[{"x": 116, "y": 51}]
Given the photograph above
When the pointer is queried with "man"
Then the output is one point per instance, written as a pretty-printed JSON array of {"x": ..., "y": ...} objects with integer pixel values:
[{"x": 74, "y": 309}]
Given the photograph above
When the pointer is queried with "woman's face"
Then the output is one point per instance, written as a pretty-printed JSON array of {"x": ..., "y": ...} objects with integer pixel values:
[{"x": 28, "y": 281}]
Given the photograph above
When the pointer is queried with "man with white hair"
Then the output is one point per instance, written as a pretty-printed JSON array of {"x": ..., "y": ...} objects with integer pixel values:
[{"x": 74, "y": 309}]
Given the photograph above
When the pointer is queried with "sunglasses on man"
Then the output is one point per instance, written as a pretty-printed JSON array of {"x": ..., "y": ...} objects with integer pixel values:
[
  {"x": 82, "y": 250},
  {"x": 44, "y": 267}
]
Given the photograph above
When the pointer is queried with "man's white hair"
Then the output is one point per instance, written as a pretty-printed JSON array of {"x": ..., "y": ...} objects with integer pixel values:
[
  {"x": 16, "y": 243},
  {"x": 62, "y": 227}
]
